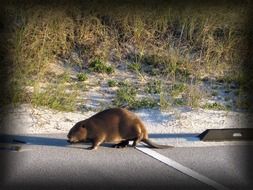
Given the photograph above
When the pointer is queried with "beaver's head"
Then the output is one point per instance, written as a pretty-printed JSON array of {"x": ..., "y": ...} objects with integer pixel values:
[{"x": 77, "y": 133}]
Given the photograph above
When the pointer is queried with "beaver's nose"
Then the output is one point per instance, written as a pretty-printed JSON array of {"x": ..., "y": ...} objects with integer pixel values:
[{"x": 68, "y": 136}]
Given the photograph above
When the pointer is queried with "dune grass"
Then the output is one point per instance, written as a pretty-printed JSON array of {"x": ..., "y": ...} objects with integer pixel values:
[{"x": 162, "y": 40}]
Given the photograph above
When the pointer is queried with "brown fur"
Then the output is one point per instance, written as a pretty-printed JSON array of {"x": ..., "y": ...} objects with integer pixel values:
[{"x": 111, "y": 125}]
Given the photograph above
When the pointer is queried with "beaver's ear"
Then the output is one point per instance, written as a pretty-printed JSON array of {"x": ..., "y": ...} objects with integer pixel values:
[{"x": 82, "y": 125}]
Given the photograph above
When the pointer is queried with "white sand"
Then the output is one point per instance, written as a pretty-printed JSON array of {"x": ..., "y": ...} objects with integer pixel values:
[{"x": 27, "y": 120}]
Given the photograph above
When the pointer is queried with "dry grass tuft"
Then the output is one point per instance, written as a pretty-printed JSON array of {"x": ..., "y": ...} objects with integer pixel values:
[{"x": 175, "y": 42}]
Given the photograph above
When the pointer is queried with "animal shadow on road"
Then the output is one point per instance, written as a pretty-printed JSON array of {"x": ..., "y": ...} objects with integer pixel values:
[
  {"x": 61, "y": 142},
  {"x": 44, "y": 141}
]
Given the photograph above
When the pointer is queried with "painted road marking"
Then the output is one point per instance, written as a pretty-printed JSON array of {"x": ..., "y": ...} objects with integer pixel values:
[{"x": 181, "y": 168}]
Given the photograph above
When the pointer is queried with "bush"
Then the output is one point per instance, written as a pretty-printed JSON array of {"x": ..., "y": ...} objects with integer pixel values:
[
  {"x": 55, "y": 97},
  {"x": 100, "y": 67},
  {"x": 153, "y": 87},
  {"x": 214, "y": 106},
  {"x": 82, "y": 76},
  {"x": 125, "y": 95},
  {"x": 112, "y": 83}
]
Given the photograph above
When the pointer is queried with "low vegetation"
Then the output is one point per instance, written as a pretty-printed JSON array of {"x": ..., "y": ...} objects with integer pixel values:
[
  {"x": 169, "y": 47},
  {"x": 112, "y": 83},
  {"x": 100, "y": 67},
  {"x": 82, "y": 76},
  {"x": 126, "y": 96},
  {"x": 178, "y": 89},
  {"x": 214, "y": 106},
  {"x": 153, "y": 87},
  {"x": 55, "y": 97}
]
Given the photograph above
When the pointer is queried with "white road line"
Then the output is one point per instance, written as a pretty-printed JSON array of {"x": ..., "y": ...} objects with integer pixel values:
[{"x": 181, "y": 168}]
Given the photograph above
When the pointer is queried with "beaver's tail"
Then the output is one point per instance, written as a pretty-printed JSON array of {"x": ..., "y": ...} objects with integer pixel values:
[{"x": 154, "y": 145}]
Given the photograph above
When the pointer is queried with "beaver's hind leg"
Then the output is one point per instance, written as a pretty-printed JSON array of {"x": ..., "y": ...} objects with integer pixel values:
[{"x": 122, "y": 144}]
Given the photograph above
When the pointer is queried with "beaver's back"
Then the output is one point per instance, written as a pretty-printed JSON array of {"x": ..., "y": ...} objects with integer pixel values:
[{"x": 116, "y": 123}]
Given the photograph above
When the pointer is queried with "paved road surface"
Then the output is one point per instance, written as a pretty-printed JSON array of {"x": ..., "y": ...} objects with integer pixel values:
[{"x": 49, "y": 162}]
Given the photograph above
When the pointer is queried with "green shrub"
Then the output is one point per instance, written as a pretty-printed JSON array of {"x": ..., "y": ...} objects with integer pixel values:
[
  {"x": 55, "y": 97},
  {"x": 145, "y": 103},
  {"x": 125, "y": 95},
  {"x": 100, "y": 67},
  {"x": 153, "y": 87},
  {"x": 82, "y": 76},
  {"x": 214, "y": 106},
  {"x": 112, "y": 83}
]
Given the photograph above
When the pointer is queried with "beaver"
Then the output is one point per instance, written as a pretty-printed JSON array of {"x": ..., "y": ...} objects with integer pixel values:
[{"x": 111, "y": 125}]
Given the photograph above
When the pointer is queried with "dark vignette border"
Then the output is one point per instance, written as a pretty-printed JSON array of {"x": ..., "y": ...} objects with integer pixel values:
[{"x": 5, "y": 65}]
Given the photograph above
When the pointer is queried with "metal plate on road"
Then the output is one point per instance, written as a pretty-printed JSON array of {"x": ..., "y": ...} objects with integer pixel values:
[{"x": 232, "y": 134}]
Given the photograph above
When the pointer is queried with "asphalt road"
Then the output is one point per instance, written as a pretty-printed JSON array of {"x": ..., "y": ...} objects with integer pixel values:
[{"x": 48, "y": 162}]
